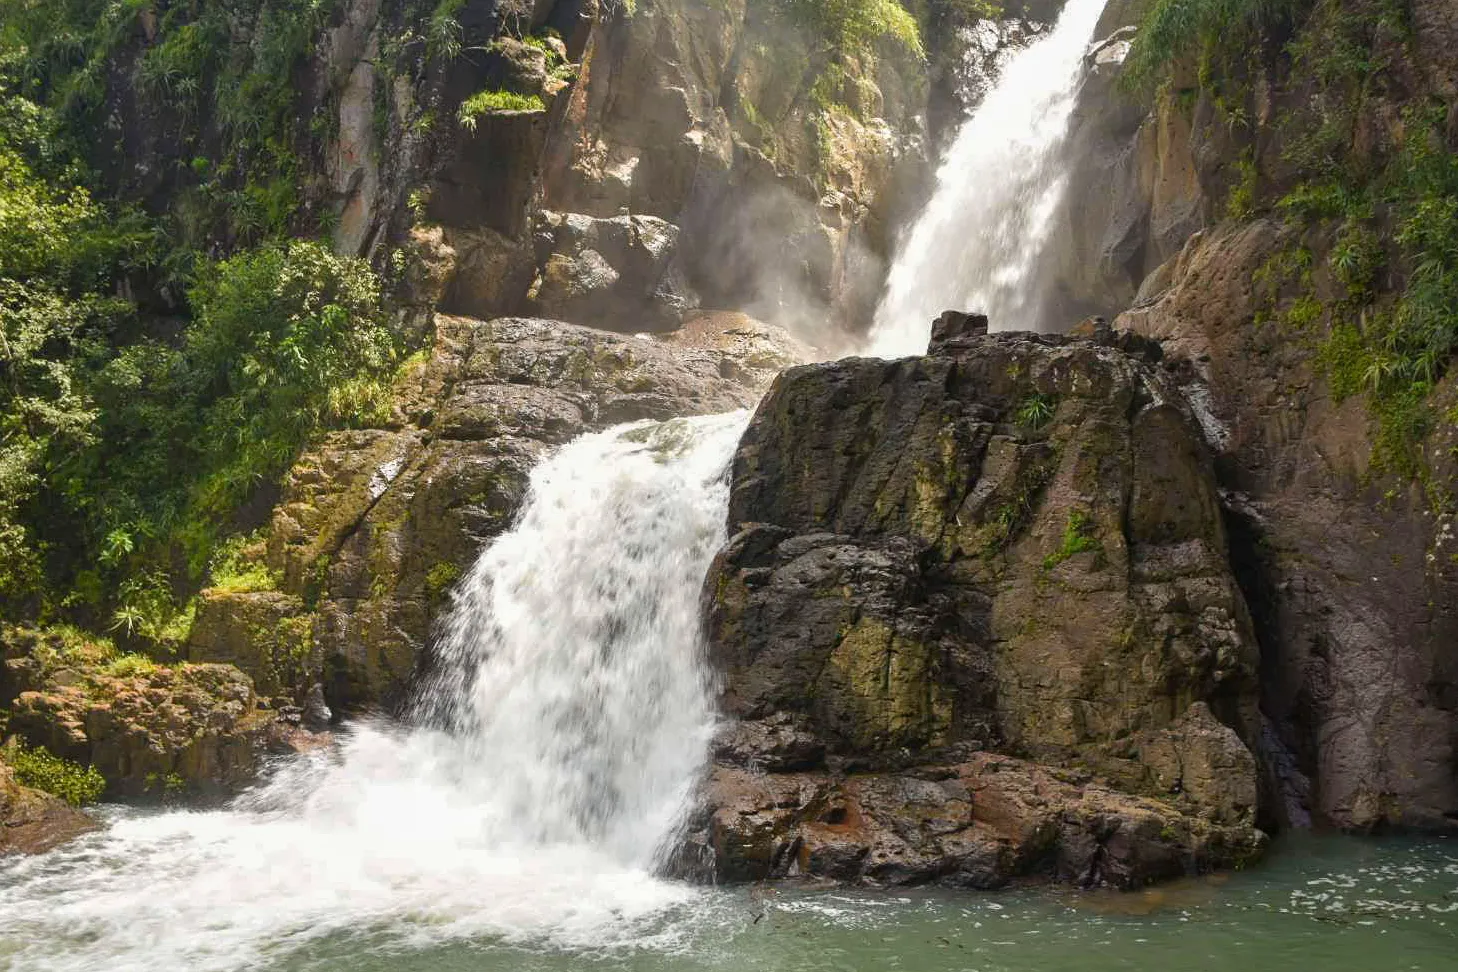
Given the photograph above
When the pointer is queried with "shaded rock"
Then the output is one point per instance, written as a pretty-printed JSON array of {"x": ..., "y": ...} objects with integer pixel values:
[
  {"x": 617, "y": 273},
  {"x": 1354, "y": 598}
]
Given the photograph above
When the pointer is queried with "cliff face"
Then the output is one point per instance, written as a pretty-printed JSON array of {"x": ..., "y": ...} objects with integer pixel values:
[
  {"x": 1013, "y": 546},
  {"x": 1268, "y": 214}
]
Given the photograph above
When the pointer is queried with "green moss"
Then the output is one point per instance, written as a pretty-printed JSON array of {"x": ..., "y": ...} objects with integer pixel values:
[
  {"x": 440, "y": 579},
  {"x": 1079, "y": 536},
  {"x": 37, "y": 768},
  {"x": 492, "y": 101}
]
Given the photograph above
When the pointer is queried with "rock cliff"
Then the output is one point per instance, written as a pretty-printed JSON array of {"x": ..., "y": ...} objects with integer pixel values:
[{"x": 1263, "y": 205}]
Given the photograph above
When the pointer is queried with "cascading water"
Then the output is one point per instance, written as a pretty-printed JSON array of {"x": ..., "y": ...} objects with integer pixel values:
[
  {"x": 976, "y": 245},
  {"x": 558, "y": 745}
]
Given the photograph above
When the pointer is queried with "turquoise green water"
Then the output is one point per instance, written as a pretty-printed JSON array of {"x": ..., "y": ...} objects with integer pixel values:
[{"x": 1331, "y": 904}]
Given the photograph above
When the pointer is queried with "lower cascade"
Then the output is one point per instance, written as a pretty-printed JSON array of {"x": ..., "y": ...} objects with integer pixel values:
[{"x": 556, "y": 748}]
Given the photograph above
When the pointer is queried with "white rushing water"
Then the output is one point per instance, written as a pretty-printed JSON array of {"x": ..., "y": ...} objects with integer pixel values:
[
  {"x": 571, "y": 716},
  {"x": 976, "y": 245}
]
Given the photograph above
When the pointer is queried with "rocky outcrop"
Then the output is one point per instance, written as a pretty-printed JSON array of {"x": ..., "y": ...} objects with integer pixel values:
[
  {"x": 973, "y": 824},
  {"x": 375, "y": 525},
  {"x": 1184, "y": 210},
  {"x": 618, "y": 273},
  {"x": 1012, "y": 546},
  {"x": 150, "y": 730}
]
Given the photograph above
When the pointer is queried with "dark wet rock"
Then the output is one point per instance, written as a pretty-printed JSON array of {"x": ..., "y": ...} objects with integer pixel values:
[{"x": 1013, "y": 546}]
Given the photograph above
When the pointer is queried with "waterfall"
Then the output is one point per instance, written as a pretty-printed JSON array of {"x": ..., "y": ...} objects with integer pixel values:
[
  {"x": 975, "y": 246},
  {"x": 551, "y": 762}
]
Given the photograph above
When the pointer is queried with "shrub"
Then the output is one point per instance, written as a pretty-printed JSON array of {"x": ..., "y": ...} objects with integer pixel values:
[
  {"x": 285, "y": 340},
  {"x": 38, "y": 768},
  {"x": 1036, "y": 411}
]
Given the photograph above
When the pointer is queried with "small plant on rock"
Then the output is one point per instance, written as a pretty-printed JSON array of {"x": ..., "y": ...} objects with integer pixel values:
[{"x": 1036, "y": 411}]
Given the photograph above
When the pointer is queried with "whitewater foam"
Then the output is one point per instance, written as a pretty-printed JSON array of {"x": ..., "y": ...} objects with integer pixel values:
[{"x": 562, "y": 736}]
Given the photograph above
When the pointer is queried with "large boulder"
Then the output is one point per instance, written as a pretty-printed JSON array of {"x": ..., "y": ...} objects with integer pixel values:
[
  {"x": 617, "y": 273},
  {"x": 1014, "y": 545}
]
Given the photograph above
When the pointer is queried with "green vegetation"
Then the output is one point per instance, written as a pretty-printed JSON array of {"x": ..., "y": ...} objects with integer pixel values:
[
  {"x": 131, "y": 666},
  {"x": 1036, "y": 411},
  {"x": 852, "y": 27},
  {"x": 1383, "y": 214},
  {"x": 234, "y": 567},
  {"x": 161, "y": 369},
  {"x": 1176, "y": 29},
  {"x": 440, "y": 579},
  {"x": 488, "y": 102},
  {"x": 1078, "y": 537},
  {"x": 38, "y": 768}
]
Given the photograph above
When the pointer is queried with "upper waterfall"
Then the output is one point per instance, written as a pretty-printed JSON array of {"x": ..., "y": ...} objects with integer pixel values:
[
  {"x": 976, "y": 244},
  {"x": 558, "y": 744}
]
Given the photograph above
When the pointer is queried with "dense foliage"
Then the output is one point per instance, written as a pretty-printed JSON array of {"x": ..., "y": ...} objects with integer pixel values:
[
  {"x": 158, "y": 369},
  {"x": 852, "y": 27}
]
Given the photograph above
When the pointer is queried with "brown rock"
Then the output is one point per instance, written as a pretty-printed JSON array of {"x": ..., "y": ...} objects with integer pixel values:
[{"x": 32, "y": 822}]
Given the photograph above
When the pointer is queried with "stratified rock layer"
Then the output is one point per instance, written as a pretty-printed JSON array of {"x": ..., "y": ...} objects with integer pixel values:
[{"x": 1014, "y": 545}]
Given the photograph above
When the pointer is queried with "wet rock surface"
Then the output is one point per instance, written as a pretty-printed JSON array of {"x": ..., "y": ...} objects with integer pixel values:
[{"x": 1013, "y": 546}]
